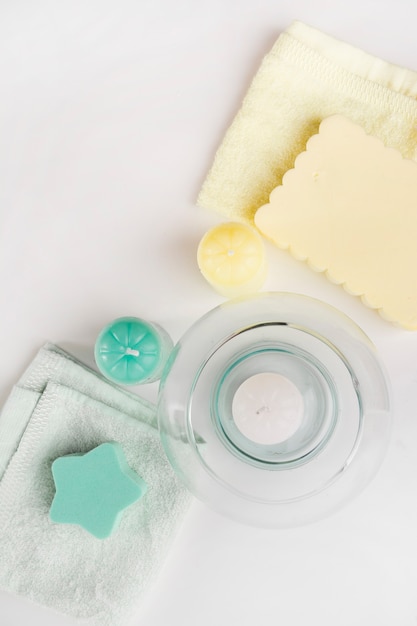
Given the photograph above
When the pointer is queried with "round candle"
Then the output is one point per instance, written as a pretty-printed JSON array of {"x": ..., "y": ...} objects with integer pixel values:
[
  {"x": 130, "y": 350},
  {"x": 267, "y": 408},
  {"x": 231, "y": 257}
]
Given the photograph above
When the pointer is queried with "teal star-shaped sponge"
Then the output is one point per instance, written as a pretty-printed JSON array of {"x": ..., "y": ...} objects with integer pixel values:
[{"x": 93, "y": 489}]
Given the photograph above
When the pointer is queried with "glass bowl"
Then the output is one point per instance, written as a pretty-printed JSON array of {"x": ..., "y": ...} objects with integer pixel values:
[{"x": 274, "y": 409}]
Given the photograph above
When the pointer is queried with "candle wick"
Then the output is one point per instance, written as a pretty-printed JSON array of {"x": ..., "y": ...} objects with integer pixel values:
[{"x": 130, "y": 352}]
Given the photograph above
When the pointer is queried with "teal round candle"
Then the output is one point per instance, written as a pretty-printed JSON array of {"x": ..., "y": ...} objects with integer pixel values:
[{"x": 130, "y": 351}]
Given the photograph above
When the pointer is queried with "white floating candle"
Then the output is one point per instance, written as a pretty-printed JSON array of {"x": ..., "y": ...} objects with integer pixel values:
[{"x": 268, "y": 408}]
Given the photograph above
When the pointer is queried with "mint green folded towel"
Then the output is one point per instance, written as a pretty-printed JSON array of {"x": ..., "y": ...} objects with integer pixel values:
[{"x": 61, "y": 407}]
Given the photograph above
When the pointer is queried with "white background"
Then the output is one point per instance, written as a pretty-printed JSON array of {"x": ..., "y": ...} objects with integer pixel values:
[{"x": 110, "y": 113}]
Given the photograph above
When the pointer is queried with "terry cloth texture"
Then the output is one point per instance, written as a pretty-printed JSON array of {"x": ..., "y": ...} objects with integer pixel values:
[
  {"x": 61, "y": 407},
  {"x": 306, "y": 77}
]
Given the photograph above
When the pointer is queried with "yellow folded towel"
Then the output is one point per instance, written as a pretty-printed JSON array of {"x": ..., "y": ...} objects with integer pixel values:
[{"x": 306, "y": 77}]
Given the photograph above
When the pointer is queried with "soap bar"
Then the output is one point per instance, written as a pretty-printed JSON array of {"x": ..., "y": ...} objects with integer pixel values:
[
  {"x": 349, "y": 208},
  {"x": 93, "y": 489},
  {"x": 131, "y": 351},
  {"x": 231, "y": 257}
]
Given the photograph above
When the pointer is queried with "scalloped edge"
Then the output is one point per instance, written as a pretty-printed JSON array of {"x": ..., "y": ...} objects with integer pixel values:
[{"x": 384, "y": 312}]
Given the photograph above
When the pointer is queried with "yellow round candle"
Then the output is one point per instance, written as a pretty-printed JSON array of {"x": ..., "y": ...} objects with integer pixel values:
[{"x": 231, "y": 257}]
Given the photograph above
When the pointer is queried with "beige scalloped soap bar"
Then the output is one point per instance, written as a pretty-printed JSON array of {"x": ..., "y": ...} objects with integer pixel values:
[{"x": 349, "y": 208}]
